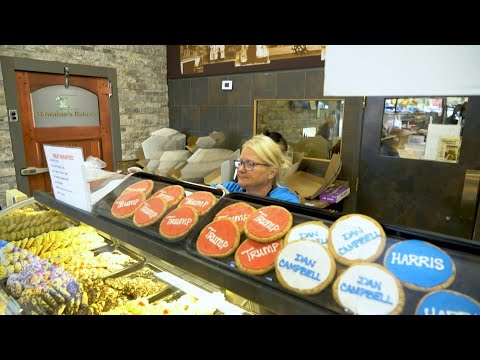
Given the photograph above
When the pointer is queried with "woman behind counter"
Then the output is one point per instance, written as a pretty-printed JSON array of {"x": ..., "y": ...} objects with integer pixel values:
[{"x": 258, "y": 168}]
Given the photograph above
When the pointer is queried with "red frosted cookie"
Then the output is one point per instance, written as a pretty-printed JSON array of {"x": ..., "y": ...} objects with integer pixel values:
[
  {"x": 257, "y": 258},
  {"x": 218, "y": 239},
  {"x": 268, "y": 224},
  {"x": 150, "y": 211},
  {"x": 144, "y": 186},
  {"x": 238, "y": 212},
  {"x": 201, "y": 201},
  {"x": 178, "y": 222},
  {"x": 173, "y": 194},
  {"x": 127, "y": 203}
]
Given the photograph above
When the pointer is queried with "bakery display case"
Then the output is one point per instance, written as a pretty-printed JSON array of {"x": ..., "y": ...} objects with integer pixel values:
[{"x": 167, "y": 276}]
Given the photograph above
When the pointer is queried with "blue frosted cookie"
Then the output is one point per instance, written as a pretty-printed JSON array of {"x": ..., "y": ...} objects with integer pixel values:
[
  {"x": 420, "y": 265},
  {"x": 447, "y": 302}
]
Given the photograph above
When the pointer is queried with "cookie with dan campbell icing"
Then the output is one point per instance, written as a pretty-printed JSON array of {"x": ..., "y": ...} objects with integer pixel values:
[
  {"x": 150, "y": 212},
  {"x": 127, "y": 203},
  {"x": 144, "y": 186},
  {"x": 173, "y": 194},
  {"x": 305, "y": 267},
  {"x": 268, "y": 223},
  {"x": 356, "y": 238},
  {"x": 219, "y": 238},
  {"x": 178, "y": 222},
  {"x": 202, "y": 201},
  {"x": 420, "y": 265},
  {"x": 257, "y": 258},
  {"x": 369, "y": 289},
  {"x": 238, "y": 212},
  {"x": 310, "y": 230},
  {"x": 447, "y": 302}
]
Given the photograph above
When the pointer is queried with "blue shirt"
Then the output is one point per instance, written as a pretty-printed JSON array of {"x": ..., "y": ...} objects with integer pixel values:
[{"x": 279, "y": 193}]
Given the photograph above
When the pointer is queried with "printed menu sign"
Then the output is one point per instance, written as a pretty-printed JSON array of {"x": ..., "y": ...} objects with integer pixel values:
[{"x": 69, "y": 179}]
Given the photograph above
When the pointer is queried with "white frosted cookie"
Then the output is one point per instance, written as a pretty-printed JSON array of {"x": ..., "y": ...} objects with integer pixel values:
[
  {"x": 310, "y": 230},
  {"x": 305, "y": 267},
  {"x": 369, "y": 289},
  {"x": 356, "y": 238}
]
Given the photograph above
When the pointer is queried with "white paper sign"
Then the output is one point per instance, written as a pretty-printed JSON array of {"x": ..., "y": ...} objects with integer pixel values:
[{"x": 69, "y": 178}]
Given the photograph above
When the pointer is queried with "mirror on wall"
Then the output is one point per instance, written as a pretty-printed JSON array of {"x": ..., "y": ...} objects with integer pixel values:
[{"x": 310, "y": 126}]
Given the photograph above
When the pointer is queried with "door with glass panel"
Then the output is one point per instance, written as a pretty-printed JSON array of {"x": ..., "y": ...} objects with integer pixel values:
[{"x": 420, "y": 163}]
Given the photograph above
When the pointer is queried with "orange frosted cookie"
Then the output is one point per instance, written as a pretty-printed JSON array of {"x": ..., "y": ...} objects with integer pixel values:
[
  {"x": 150, "y": 211},
  {"x": 268, "y": 223},
  {"x": 257, "y": 258},
  {"x": 127, "y": 203},
  {"x": 238, "y": 212},
  {"x": 144, "y": 186},
  {"x": 173, "y": 194},
  {"x": 219, "y": 238},
  {"x": 178, "y": 222},
  {"x": 201, "y": 201}
]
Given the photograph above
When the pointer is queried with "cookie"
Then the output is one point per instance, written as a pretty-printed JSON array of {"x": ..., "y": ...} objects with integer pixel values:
[
  {"x": 305, "y": 267},
  {"x": 127, "y": 203},
  {"x": 310, "y": 230},
  {"x": 151, "y": 211},
  {"x": 257, "y": 258},
  {"x": 144, "y": 186},
  {"x": 268, "y": 223},
  {"x": 420, "y": 265},
  {"x": 202, "y": 201},
  {"x": 173, "y": 194},
  {"x": 447, "y": 302},
  {"x": 238, "y": 212},
  {"x": 356, "y": 238},
  {"x": 219, "y": 238},
  {"x": 178, "y": 222},
  {"x": 369, "y": 289}
]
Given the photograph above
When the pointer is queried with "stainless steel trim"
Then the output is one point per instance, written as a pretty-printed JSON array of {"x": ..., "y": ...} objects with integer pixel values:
[
  {"x": 33, "y": 171},
  {"x": 468, "y": 204}
]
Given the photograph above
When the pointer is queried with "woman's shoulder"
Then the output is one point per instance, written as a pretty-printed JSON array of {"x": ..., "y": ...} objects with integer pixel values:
[
  {"x": 285, "y": 194},
  {"x": 231, "y": 186}
]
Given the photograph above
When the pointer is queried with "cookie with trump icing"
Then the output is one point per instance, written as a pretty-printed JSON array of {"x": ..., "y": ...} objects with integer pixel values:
[
  {"x": 238, "y": 212},
  {"x": 150, "y": 212},
  {"x": 143, "y": 186},
  {"x": 202, "y": 201},
  {"x": 127, "y": 203},
  {"x": 219, "y": 238},
  {"x": 255, "y": 257},
  {"x": 268, "y": 223},
  {"x": 178, "y": 222},
  {"x": 173, "y": 194}
]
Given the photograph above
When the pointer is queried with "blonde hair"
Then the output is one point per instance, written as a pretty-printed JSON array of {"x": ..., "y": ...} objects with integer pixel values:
[{"x": 269, "y": 153}]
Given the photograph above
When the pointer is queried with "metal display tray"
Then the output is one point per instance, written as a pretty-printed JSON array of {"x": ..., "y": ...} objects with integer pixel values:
[
  {"x": 466, "y": 256},
  {"x": 103, "y": 207},
  {"x": 139, "y": 259}
]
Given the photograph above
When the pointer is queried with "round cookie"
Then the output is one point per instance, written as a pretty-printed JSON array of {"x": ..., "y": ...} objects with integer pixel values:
[
  {"x": 310, "y": 230},
  {"x": 305, "y": 267},
  {"x": 151, "y": 210},
  {"x": 202, "y": 201},
  {"x": 268, "y": 223},
  {"x": 144, "y": 186},
  {"x": 257, "y": 258},
  {"x": 173, "y": 194},
  {"x": 447, "y": 302},
  {"x": 127, "y": 203},
  {"x": 420, "y": 265},
  {"x": 238, "y": 212},
  {"x": 356, "y": 238},
  {"x": 219, "y": 238},
  {"x": 178, "y": 222},
  {"x": 369, "y": 289}
]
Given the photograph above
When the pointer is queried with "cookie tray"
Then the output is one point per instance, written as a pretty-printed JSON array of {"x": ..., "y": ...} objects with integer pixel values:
[
  {"x": 103, "y": 206},
  {"x": 139, "y": 259},
  {"x": 465, "y": 255}
]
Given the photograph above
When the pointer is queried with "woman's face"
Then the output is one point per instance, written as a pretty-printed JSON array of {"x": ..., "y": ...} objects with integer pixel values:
[{"x": 259, "y": 176}]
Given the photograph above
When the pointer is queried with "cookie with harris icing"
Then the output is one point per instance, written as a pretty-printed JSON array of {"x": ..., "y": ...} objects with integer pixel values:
[{"x": 447, "y": 302}]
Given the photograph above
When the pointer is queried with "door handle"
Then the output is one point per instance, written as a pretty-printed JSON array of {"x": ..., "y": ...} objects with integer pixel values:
[
  {"x": 470, "y": 194},
  {"x": 33, "y": 171}
]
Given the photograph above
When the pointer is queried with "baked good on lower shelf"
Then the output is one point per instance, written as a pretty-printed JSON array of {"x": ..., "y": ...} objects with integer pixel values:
[
  {"x": 268, "y": 223},
  {"x": 178, "y": 222},
  {"x": 202, "y": 201},
  {"x": 127, "y": 203},
  {"x": 356, "y": 238},
  {"x": 447, "y": 302},
  {"x": 173, "y": 194},
  {"x": 257, "y": 258},
  {"x": 150, "y": 212},
  {"x": 369, "y": 289},
  {"x": 310, "y": 230},
  {"x": 305, "y": 267},
  {"x": 219, "y": 238},
  {"x": 420, "y": 265},
  {"x": 238, "y": 212},
  {"x": 143, "y": 186}
]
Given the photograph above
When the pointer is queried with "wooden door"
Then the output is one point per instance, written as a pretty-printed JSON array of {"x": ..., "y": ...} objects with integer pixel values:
[{"x": 94, "y": 140}]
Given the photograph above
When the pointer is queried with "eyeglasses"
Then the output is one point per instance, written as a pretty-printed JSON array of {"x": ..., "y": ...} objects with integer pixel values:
[{"x": 248, "y": 165}]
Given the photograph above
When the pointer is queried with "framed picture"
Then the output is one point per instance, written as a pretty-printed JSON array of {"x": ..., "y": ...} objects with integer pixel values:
[
  {"x": 206, "y": 60},
  {"x": 449, "y": 149}
]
